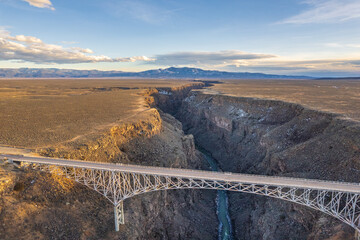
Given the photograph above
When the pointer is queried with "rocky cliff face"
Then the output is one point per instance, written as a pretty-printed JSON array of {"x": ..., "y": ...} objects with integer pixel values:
[
  {"x": 169, "y": 100},
  {"x": 275, "y": 138},
  {"x": 43, "y": 206}
]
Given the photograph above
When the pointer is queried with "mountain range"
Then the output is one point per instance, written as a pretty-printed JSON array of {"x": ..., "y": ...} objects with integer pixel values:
[{"x": 172, "y": 72}]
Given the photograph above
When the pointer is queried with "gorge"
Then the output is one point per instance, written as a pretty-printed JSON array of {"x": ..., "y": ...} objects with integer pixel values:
[
  {"x": 243, "y": 135},
  {"x": 272, "y": 138}
]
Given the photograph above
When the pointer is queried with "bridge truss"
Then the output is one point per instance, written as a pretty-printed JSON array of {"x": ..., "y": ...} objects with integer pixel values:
[{"x": 117, "y": 186}]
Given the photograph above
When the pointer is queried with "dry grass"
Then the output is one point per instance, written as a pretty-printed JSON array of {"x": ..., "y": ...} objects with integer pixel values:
[
  {"x": 39, "y": 113},
  {"x": 338, "y": 96}
]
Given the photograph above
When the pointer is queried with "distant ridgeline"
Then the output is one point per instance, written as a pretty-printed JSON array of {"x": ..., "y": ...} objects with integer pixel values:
[{"x": 171, "y": 72}]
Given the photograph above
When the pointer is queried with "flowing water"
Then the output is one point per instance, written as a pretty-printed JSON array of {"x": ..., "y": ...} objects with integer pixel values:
[{"x": 222, "y": 210}]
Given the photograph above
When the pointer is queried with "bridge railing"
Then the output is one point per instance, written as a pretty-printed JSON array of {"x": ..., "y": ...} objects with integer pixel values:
[{"x": 109, "y": 167}]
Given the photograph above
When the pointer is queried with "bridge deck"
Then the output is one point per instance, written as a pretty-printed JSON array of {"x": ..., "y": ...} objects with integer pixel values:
[{"x": 195, "y": 174}]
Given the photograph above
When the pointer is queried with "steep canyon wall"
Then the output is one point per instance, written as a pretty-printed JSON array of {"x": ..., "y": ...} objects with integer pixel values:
[{"x": 267, "y": 137}]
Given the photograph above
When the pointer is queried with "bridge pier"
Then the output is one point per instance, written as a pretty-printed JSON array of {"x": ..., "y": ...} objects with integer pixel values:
[{"x": 119, "y": 215}]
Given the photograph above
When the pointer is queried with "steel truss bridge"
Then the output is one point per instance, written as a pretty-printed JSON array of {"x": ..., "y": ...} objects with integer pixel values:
[{"x": 118, "y": 182}]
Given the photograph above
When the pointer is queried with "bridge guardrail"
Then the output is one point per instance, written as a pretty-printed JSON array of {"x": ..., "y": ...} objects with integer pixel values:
[{"x": 104, "y": 167}]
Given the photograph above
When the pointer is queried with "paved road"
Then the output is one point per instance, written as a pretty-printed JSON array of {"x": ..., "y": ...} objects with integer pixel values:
[{"x": 195, "y": 174}]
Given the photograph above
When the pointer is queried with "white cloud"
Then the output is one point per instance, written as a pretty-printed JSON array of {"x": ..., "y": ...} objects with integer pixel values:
[
  {"x": 339, "y": 45},
  {"x": 325, "y": 11},
  {"x": 32, "y": 49},
  {"x": 134, "y": 59},
  {"x": 40, "y": 3},
  {"x": 82, "y": 50},
  {"x": 26, "y": 39},
  {"x": 230, "y": 57},
  {"x": 68, "y": 42},
  {"x": 353, "y": 45},
  {"x": 333, "y": 45},
  {"x": 302, "y": 66}
]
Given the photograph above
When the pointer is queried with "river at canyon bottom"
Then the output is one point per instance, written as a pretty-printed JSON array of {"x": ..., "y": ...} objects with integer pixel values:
[{"x": 225, "y": 229}]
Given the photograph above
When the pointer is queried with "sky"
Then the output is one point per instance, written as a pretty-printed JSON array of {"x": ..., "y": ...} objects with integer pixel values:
[{"x": 318, "y": 38}]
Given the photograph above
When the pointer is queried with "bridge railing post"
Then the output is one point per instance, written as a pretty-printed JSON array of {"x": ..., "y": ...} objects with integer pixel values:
[{"x": 119, "y": 215}]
